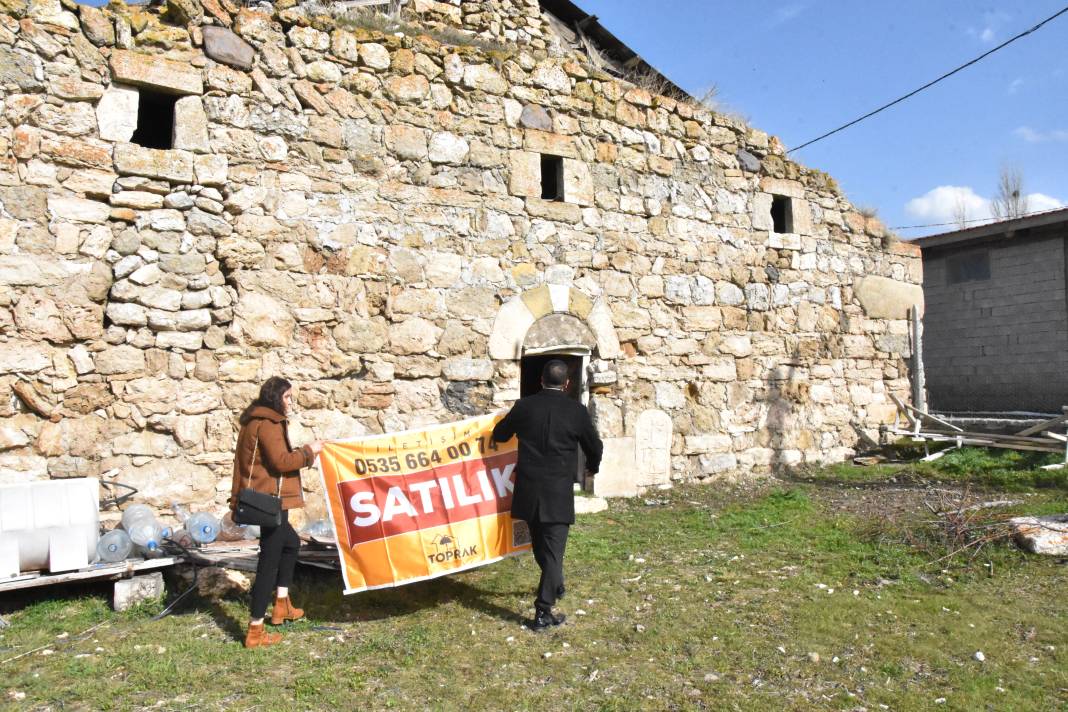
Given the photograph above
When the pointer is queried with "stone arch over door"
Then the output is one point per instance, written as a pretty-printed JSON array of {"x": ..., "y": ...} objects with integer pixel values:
[{"x": 516, "y": 317}]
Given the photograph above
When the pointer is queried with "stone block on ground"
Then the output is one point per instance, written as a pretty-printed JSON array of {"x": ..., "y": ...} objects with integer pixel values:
[
  {"x": 139, "y": 589},
  {"x": 1041, "y": 535},
  {"x": 590, "y": 505}
]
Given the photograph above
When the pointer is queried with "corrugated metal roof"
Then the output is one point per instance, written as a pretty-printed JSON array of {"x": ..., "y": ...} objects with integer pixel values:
[
  {"x": 1003, "y": 229},
  {"x": 627, "y": 60}
]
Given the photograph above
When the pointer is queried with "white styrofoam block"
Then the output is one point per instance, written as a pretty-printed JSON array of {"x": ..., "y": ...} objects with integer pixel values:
[
  {"x": 16, "y": 508},
  {"x": 67, "y": 549},
  {"x": 84, "y": 501},
  {"x": 31, "y": 513},
  {"x": 9, "y": 557}
]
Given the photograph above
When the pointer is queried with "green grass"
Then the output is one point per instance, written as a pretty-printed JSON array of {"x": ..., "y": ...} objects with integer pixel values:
[
  {"x": 1007, "y": 470},
  {"x": 703, "y": 598}
]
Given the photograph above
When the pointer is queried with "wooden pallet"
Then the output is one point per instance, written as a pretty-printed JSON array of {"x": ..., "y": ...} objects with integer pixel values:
[
  {"x": 96, "y": 572},
  {"x": 244, "y": 557},
  {"x": 925, "y": 428},
  {"x": 226, "y": 555}
]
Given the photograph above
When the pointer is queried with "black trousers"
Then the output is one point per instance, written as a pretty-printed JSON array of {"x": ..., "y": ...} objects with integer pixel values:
[
  {"x": 549, "y": 540},
  {"x": 279, "y": 547}
]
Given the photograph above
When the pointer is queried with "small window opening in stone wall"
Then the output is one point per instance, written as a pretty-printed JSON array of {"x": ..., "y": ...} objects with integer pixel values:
[
  {"x": 552, "y": 177},
  {"x": 968, "y": 267},
  {"x": 155, "y": 119},
  {"x": 782, "y": 214}
]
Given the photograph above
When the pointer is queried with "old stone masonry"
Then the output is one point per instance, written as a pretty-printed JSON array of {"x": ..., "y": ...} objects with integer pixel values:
[{"x": 400, "y": 216}]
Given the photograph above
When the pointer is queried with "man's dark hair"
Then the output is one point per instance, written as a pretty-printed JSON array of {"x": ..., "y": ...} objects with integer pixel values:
[
  {"x": 271, "y": 393},
  {"x": 554, "y": 375}
]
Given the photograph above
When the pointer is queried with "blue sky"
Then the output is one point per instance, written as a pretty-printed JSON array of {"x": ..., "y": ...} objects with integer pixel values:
[{"x": 799, "y": 68}]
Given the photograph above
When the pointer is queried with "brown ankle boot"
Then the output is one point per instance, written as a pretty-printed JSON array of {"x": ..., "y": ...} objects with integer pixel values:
[
  {"x": 258, "y": 637},
  {"x": 284, "y": 610}
]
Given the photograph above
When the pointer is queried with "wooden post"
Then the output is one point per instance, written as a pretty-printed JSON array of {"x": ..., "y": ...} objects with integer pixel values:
[{"x": 919, "y": 385}]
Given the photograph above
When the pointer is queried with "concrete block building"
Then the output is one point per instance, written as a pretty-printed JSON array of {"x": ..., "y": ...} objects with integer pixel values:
[{"x": 996, "y": 322}]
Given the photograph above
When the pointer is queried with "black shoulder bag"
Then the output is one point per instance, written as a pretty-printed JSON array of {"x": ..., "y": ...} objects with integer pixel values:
[{"x": 257, "y": 508}]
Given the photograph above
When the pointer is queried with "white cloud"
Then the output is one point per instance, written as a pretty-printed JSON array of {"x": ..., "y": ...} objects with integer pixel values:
[
  {"x": 949, "y": 203},
  {"x": 946, "y": 203},
  {"x": 1015, "y": 84},
  {"x": 1032, "y": 136},
  {"x": 1037, "y": 202},
  {"x": 991, "y": 23},
  {"x": 787, "y": 12}
]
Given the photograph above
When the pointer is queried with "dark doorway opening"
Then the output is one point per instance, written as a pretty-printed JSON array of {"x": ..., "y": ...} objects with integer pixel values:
[
  {"x": 155, "y": 119},
  {"x": 530, "y": 369}
]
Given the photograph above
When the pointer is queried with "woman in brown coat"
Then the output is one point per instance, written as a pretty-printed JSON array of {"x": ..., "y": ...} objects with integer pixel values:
[{"x": 267, "y": 462}]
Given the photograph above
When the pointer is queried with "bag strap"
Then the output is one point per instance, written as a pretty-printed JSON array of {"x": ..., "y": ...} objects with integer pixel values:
[{"x": 252, "y": 464}]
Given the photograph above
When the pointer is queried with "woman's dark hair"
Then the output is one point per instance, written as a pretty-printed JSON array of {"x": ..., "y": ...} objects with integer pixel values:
[{"x": 271, "y": 393}]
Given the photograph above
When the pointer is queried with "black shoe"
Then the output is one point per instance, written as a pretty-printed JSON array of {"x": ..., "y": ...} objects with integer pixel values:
[{"x": 545, "y": 620}]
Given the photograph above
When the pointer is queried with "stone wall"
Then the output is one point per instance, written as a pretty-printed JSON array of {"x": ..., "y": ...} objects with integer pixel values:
[{"x": 362, "y": 213}]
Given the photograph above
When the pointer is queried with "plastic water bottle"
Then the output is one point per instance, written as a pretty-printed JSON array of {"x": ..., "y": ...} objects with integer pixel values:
[
  {"x": 135, "y": 512},
  {"x": 146, "y": 533},
  {"x": 203, "y": 527},
  {"x": 320, "y": 529},
  {"x": 114, "y": 546},
  {"x": 181, "y": 512},
  {"x": 182, "y": 538},
  {"x": 140, "y": 523}
]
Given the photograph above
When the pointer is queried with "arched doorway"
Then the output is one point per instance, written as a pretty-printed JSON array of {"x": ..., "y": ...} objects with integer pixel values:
[{"x": 564, "y": 337}]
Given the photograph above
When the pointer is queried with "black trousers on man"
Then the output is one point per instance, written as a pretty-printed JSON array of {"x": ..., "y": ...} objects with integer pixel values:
[
  {"x": 549, "y": 540},
  {"x": 279, "y": 547}
]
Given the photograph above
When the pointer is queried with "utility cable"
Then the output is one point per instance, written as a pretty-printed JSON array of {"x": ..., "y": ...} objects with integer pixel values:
[
  {"x": 930, "y": 84},
  {"x": 989, "y": 221},
  {"x": 192, "y": 587}
]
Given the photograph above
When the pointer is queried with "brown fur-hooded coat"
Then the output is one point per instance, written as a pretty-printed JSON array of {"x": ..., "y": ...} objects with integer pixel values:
[{"x": 276, "y": 468}]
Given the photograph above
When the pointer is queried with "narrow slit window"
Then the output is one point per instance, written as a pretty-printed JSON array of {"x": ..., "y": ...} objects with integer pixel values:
[
  {"x": 552, "y": 177},
  {"x": 782, "y": 214},
  {"x": 155, "y": 119}
]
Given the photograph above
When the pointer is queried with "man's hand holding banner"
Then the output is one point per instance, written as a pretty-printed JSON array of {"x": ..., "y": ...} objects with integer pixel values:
[{"x": 423, "y": 503}]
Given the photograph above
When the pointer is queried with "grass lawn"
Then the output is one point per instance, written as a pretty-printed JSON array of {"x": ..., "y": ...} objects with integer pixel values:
[{"x": 810, "y": 594}]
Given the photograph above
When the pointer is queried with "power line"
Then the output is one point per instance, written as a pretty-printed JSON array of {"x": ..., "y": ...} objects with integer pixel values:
[
  {"x": 979, "y": 220},
  {"x": 930, "y": 83}
]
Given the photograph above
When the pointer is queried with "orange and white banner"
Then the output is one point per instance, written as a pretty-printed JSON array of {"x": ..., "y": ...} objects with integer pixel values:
[{"x": 423, "y": 503}]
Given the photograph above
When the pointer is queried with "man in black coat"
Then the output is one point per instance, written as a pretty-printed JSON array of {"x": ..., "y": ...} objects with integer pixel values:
[{"x": 551, "y": 428}]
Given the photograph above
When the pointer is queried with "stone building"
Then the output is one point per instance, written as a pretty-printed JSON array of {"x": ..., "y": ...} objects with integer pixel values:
[{"x": 404, "y": 220}]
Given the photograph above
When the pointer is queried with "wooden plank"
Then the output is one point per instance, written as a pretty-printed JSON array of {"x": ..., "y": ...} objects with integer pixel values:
[
  {"x": 1037, "y": 446},
  {"x": 902, "y": 409},
  {"x": 1005, "y": 438},
  {"x": 1045, "y": 425},
  {"x": 103, "y": 572},
  {"x": 1047, "y": 439},
  {"x": 922, "y": 414}
]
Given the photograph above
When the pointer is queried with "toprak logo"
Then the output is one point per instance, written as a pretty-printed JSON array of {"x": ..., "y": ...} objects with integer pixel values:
[
  {"x": 387, "y": 505},
  {"x": 448, "y": 548}
]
